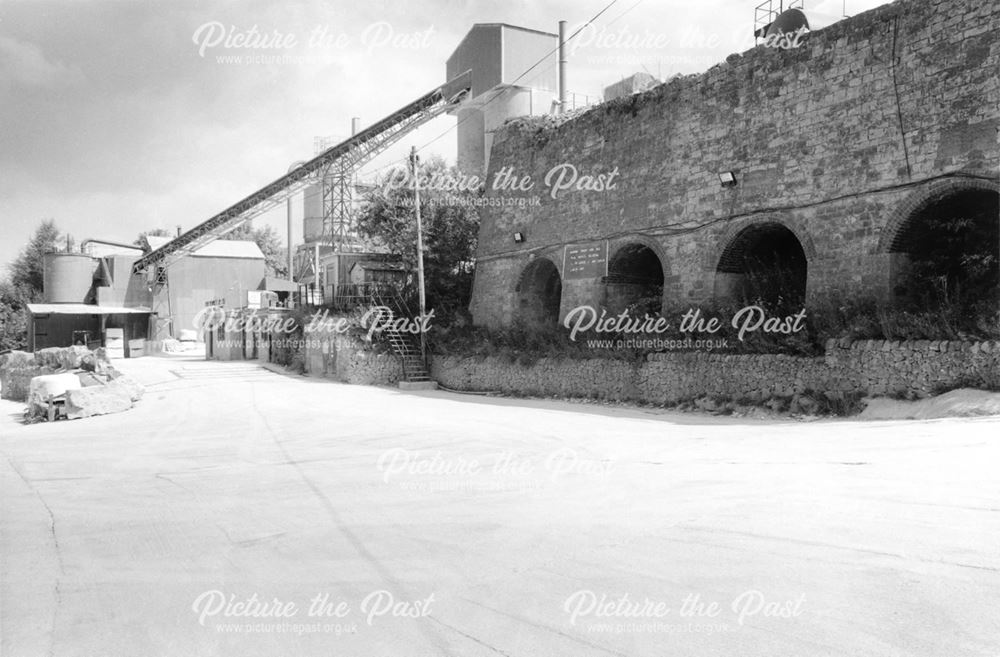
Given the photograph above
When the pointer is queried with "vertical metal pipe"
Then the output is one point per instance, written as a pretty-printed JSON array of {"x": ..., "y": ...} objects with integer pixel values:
[
  {"x": 562, "y": 66},
  {"x": 355, "y": 125},
  {"x": 288, "y": 227}
]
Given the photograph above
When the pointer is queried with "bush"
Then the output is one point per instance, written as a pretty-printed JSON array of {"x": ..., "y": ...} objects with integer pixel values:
[{"x": 866, "y": 318}]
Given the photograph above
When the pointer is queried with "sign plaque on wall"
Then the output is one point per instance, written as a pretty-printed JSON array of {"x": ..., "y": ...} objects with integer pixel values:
[{"x": 585, "y": 261}]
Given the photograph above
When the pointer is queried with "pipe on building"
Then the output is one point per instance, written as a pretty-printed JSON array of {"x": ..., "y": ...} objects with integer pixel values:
[{"x": 84, "y": 243}]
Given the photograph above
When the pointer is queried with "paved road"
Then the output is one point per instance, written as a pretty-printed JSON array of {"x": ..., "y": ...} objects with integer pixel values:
[{"x": 240, "y": 512}]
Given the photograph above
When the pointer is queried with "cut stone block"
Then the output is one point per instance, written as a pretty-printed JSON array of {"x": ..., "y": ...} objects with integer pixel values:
[{"x": 97, "y": 400}]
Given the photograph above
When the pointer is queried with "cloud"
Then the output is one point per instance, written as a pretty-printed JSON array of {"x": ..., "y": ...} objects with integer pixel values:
[{"x": 23, "y": 64}]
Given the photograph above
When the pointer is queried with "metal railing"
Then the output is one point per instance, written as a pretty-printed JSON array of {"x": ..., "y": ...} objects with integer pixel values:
[
  {"x": 355, "y": 295},
  {"x": 765, "y": 13}
]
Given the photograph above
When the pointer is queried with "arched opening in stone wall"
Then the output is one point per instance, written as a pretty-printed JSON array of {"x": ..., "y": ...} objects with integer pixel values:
[
  {"x": 539, "y": 293},
  {"x": 946, "y": 256},
  {"x": 634, "y": 281},
  {"x": 763, "y": 263}
]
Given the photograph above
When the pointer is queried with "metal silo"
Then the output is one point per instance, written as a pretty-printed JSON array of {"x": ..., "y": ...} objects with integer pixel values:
[{"x": 67, "y": 277}]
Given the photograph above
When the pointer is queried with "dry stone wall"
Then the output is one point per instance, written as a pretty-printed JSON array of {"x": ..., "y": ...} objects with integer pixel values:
[
  {"x": 345, "y": 358},
  {"x": 869, "y": 367}
]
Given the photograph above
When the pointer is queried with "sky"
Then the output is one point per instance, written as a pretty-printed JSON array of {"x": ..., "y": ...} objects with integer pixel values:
[{"x": 120, "y": 116}]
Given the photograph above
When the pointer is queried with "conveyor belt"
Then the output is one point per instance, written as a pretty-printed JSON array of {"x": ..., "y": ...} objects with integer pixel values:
[{"x": 353, "y": 149}]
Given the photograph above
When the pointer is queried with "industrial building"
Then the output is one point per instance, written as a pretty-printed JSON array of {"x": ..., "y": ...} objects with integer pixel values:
[
  {"x": 224, "y": 272},
  {"x": 94, "y": 296},
  {"x": 712, "y": 171},
  {"x": 85, "y": 295},
  {"x": 333, "y": 264},
  {"x": 500, "y": 56}
]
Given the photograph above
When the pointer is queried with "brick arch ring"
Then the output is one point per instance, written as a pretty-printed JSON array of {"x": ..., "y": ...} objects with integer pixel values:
[
  {"x": 895, "y": 228},
  {"x": 616, "y": 245},
  {"x": 531, "y": 264},
  {"x": 729, "y": 251}
]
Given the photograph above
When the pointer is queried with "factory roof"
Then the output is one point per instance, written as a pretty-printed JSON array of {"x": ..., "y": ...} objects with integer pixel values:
[
  {"x": 477, "y": 27},
  {"x": 513, "y": 27},
  {"x": 216, "y": 249}
]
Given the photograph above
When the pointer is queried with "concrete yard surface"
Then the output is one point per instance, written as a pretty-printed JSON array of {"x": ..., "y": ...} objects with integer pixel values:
[{"x": 238, "y": 511}]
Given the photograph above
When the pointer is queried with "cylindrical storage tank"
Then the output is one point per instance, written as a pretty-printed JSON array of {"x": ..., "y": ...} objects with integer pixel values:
[
  {"x": 67, "y": 277},
  {"x": 313, "y": 229},
  {"x": 312, "y": 215}
]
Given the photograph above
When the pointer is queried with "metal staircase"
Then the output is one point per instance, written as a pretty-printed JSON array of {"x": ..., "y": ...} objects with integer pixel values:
[
  {"x": 404, "y": 345},
  {"x": 414, "y": 368}
]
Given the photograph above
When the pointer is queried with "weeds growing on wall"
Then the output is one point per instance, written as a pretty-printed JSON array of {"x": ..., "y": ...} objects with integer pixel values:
[
  {"x": 830, "y": 316},
  {"x": 833, "y": 316}
]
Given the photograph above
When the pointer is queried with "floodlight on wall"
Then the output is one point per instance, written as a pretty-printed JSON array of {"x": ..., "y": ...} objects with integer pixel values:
[
  {"x": 727, "y": 178},
  {"x": 518, "y": 237}
]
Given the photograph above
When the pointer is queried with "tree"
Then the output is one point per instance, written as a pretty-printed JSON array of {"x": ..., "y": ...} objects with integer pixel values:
[
  {"x": 26, "y": 272},
  {"x": 954, "y": 273},
  {"x": 25, "y": 285},
  {"x": 13, "y": 322},
  {"x": 156, "y": 232},
  {"x": 269, "y": 243},
  {"x": 450, "y": 229}
]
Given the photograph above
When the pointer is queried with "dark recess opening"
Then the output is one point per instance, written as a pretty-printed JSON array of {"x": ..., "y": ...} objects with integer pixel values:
[
  {"x": 539, "y": 294},
  {"x": 634, "y": 281},
  {"x": 764, "y": 264},
  {"x": 947, "y": 256}
]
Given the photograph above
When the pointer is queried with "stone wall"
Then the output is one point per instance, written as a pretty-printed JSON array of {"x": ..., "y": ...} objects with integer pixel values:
[
  {"x": 345, "y": 358},
  {"x": 868, "y": 367},
  {"x": 840, "y": 141},
  {"x": 596, "y": 378}
]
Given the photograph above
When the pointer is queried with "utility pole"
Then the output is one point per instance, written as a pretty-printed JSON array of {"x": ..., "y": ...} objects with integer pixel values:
[
  {"x": 414, "y": 162},
  {"x": 290, "y": 255},
  {"x": 317, "y": 285},
  {"x": 562, "y": 67}
]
